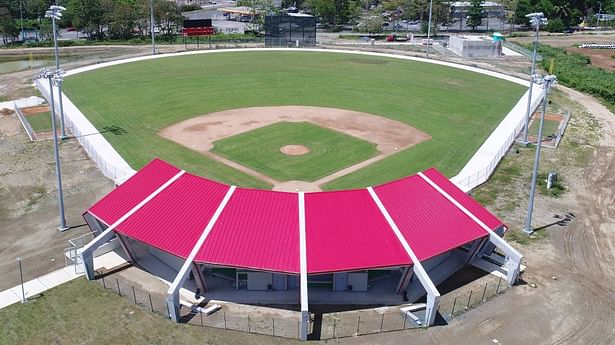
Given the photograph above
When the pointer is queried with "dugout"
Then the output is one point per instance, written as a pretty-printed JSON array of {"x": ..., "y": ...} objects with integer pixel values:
[{"x": 292, "y": 30}]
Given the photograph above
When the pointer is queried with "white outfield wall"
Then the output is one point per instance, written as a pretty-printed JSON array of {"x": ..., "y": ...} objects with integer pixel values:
[{"x": 476, "y": 171}]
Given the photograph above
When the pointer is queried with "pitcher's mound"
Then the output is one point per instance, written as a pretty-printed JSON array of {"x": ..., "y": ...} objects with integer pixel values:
[{"x": 294, "y": 150}]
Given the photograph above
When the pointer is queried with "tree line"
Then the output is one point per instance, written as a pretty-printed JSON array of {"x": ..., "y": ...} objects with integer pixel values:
[{"x": 123, "y": 19}]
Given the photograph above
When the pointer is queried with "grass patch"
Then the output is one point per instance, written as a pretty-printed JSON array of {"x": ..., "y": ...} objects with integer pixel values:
[
  {"x": 80, "y": 312},
  {"x": 40, "y": 121},
  {"x": 148, "y": 96},
  {"x": 330, "y": 151},
  {"x": 550, "y": 128}
]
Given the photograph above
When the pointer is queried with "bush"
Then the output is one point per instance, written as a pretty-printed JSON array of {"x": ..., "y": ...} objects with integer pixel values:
[
  {"x": 575, "y": 70},
  {"x": 188, "y": 8},
  {"x": 555, "y": 25}
]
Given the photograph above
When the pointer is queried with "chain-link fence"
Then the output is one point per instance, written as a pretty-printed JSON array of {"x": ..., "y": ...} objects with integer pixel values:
[
  {"x": 255, "y": 322},
  {"x": 458, "y": 303}
]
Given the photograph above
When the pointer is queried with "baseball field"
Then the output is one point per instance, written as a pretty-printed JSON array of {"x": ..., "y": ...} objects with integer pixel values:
[{"x": 452, "y": 110}]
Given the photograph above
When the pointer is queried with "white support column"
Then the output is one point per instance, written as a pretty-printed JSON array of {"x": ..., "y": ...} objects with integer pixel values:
[
  {"x": 184, "y": 271},
  {"x": 513, "y": 257},
  {"x": 303, "y": 285},
  {"x": 433, "y": 295},
  {"x": 88, "y": 250}
]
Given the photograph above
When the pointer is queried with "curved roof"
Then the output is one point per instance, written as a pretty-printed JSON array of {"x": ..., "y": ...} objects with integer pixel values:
[{"x": 260, "y": 229}]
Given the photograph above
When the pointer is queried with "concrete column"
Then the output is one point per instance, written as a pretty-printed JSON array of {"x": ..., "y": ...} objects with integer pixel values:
[
  {"x": 406, "y": 276},
  {"x": 127, "y": 248},
  {"x": 199, "y": 277}
]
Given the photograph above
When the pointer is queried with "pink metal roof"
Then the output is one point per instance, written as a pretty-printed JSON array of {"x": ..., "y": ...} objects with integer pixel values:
[
  {"x": 345, "y": 230},
  {"x": 428, "y": 221},
  {"x": 121, "y": 200},
  {"x": 257, "y": 229},
  {"x": 175, "y": 219},
  {"x": 464, "y": 199}
]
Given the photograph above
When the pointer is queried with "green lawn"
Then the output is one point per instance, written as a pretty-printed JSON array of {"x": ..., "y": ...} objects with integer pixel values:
[
  {"x": 330, "y": 151},
  {"x": 82, "y": 312},
  {"x": 550, "y": 127},
  {"x": 457, "y": 108},
  {"x": 40, "y": 121}
]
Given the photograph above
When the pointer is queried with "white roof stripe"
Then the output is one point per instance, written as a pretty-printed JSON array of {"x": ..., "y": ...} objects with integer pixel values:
[
  {"x": 137, "y": 207},
  {"x": 302, "y": 254},
  {"x": 461, "y": 208}
]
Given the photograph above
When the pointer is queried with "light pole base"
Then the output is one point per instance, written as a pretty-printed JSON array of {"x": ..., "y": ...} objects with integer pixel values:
[
  {"x": 528, "y": 232},
  {"x": 64, "y": 137},
  {"x": 62, "y": 229}
]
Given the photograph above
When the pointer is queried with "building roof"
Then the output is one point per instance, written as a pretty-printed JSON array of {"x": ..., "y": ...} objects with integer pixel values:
[{"x": 259, "y": 229}]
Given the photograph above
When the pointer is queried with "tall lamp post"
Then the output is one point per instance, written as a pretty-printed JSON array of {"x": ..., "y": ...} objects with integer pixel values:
[
  {"x": 55, "y": 13},
  {"x": 548, "y": 81},
  {"x": 55, "y": 78},
  {"x": 429, "y": 27},
  {"x": 536, "y": 19},
  {"x": 151, "y": 14}
]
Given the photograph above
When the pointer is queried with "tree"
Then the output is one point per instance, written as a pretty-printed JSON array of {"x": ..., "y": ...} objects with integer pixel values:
[
  {"x": 475, "y": 14},
  {"x": 167, "y": 17},
  {"x": 87, "y": 16},
  {"x": 334, "y": 13},
  {"x": 8, "y": 26}
]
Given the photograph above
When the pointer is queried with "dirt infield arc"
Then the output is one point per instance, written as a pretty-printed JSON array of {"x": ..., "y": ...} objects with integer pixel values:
[{"x": 200, "y": 132}]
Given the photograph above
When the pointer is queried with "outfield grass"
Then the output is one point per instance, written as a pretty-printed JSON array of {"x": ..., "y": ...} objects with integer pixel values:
[
  {"x": 81, "y": 312},
  {"x": 40, "y": 121},
  {"x": 457, "y": 108},
  {"x": 330, "y": 151}
]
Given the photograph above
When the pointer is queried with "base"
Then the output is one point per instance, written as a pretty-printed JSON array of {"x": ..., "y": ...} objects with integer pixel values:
[
  {"x": 528, "y": 231},
  {"x": 62, "y": 229}
]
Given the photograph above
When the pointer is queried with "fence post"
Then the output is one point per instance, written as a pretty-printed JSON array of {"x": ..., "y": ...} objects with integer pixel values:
[
  {"x": 273, "y": 326},
  {"x": 469, "y": 298},
  {"x": 201, "y": 318},
  {"x": 358, "y": 324},
  {"x": 224, "y": 318},
  {"x": 381, "y": 323},
  {"x": 497, "y": 288},
  {"x": 484, "y": 290},
  {"x": 151, "y": 305},
  {"x": 117, "y": 282},
  {"x": 134, "y": 295},
  {"x": 405, "y": 318},
  {"x": 248, "y": 323},
  {"x": 104, "y": 285},
  {"x": 334, "y": 326},
  {"x": 453, "y": 310}
]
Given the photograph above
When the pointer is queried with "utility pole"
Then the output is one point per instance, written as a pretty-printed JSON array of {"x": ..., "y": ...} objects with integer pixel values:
[
  {"x": 55, "y": 13},
  {"x": 429, "y": 27},
  {"x": 548, "y": 81},
  {"x": 536, "y": 19},
  {"x": 151, "y": 12},
  {"x": 53, "y": 78}
]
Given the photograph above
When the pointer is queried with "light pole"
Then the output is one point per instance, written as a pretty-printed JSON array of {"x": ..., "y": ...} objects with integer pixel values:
[
  {"x": 548, "y": 81},
  {"x": 55, "y": 13},
  {"x": 55, "y": 78},
  {"x": 23, "y": 291},
  {"x": 536, "y": 19},
  {"x": 151, "y": 13},
  {"x": 429, "y": 27}
]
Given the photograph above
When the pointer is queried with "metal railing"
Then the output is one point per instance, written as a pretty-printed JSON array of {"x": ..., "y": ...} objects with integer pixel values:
[{"x": 24, "y": 122}]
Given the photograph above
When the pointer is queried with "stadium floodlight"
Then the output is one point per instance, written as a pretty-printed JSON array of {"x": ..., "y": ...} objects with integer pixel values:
[
  {"x": 55, "y": 78},
  {"x": 548, "y": 81},
  {"x": 55, "y": 13},
  {"x": 536, "y": 20}
]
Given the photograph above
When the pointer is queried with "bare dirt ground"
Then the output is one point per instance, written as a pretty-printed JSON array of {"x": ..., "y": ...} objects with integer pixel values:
[
  {"x": 564, "y": 41},
  {"x": 601, "y": 58},
  {"x": 29, "y": 216},
  {"x": 199, "y": 134}
]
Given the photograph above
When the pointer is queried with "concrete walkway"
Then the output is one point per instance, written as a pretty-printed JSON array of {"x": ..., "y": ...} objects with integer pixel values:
[
  {"x": 38, "y": 285},
  {"x": 43, "y": 283}
]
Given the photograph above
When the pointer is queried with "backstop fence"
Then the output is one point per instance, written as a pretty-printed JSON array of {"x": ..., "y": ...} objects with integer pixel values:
[{"x": 290, "y": 31}]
